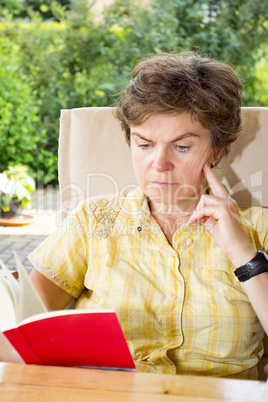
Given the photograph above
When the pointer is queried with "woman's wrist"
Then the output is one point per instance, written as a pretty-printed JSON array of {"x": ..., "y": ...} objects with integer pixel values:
[{"x": 242, "y": 256}]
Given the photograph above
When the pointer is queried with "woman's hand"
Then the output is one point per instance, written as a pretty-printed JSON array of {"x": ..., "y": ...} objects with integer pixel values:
[{"x": 219, "y": 213}]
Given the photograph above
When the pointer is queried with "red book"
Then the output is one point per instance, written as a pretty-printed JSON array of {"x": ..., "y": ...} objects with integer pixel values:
[
  {"x": 85, "y": 338},
  {"x": 60, "y": 338}
]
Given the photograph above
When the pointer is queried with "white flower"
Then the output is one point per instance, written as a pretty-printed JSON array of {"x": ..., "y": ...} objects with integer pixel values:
[{"x": 7, "y": 186}]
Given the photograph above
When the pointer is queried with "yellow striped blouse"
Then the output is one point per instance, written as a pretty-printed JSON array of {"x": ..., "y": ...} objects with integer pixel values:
[{"x": 181, "y": 307}]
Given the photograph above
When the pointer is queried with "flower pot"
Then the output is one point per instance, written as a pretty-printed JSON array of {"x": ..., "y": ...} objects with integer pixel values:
[{"x": 15, "y": 212}]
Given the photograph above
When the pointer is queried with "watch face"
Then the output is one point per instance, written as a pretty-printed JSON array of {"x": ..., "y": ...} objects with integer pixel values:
[{"x": 264, "y": 253}]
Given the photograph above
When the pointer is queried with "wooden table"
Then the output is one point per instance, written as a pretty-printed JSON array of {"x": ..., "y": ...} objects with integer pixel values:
[{"x": 19, "y": 382}]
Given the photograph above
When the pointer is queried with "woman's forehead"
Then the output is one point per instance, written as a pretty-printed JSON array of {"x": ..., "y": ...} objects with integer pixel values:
[{"x": 170, "y": 125}]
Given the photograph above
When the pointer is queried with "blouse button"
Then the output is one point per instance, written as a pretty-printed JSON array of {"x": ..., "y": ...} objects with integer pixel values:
[{"x": 189, "y": 241}]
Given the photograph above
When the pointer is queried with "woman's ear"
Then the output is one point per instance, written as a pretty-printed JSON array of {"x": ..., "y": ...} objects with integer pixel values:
[
  {"x": 213, "y": 164},
  {"x": 217, "y": 158}
]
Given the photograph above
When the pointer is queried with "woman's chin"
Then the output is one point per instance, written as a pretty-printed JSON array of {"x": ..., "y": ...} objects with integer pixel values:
[
  {"x": 171, "y": 195},
  {"x": 166, "y": 204}
]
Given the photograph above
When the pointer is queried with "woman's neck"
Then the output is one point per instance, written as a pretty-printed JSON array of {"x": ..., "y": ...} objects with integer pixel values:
[{"x": 171, "y": 217}]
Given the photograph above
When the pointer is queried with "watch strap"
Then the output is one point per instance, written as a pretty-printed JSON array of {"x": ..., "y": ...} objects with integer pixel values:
[{"x": 256, "y": 266}]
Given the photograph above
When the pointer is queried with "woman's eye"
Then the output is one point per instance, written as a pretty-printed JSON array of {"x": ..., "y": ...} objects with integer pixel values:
[
  {"x": 144, "y": 146},
  {"x": 182, "y": 148}
]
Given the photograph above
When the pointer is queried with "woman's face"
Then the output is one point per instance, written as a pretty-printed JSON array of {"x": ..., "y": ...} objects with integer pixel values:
[{"x": 169, "y": 152}]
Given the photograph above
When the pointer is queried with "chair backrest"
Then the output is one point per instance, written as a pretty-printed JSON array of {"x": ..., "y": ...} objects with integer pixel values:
[
  {"x": 245, "y": 171},
  {"x": 95, "y": 159}
]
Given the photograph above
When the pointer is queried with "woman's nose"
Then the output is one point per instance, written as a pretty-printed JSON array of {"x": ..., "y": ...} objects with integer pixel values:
[{"x": 162, "y": 162}]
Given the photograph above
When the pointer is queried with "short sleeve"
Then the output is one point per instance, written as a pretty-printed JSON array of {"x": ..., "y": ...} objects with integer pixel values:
[
  {"x": 255, "y": 222},
  {"x": 62, "y": 256}
]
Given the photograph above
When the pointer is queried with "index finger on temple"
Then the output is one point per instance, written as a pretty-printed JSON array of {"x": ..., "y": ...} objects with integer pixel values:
[{"x": 214, "y": 183}]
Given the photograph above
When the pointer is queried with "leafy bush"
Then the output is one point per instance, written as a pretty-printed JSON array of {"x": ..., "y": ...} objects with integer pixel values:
[
  {"x": 261, "y": 76},
  {"x": 20, "y": 8},
  {"x": 20, "y": 131},
  {"x": 77, "y": 60},
  {"x": 231, "y": 31}
]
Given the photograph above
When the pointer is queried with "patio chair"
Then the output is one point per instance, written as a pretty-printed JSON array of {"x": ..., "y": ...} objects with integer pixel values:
[{"x": 95, "y": 159}]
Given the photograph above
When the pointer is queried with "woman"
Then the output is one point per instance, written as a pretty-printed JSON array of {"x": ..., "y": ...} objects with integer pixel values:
[{"x": 164, "y": 255}]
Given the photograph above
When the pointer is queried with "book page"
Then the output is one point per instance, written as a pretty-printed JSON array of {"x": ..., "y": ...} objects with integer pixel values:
[
  {"x": 19, "y": 299},
  {"x": 30, "y": 302},
  {"x": 7, "y": 352},
  {"x": 57, "y": 313},
  {"x": 9, "y": 298}
]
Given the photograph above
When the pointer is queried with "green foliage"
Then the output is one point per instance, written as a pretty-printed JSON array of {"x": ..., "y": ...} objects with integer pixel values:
[
  {"x": 230, "y": 30},
  {"x": 20, "y": 8},
  {"x": 77, "y": 60},
  {"x": 136, "y": 31},
  {"x": 261, "y": 76},
  {"x": 13, "y": 7},
  {"x": 20, "y": 131}
]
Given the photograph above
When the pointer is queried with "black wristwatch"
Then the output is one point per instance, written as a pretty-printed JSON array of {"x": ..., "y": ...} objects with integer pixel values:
[{"x": 256, "y": 266}]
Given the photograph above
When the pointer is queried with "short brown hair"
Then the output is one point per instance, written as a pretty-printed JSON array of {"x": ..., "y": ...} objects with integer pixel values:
[{"x": 176, "y": 83}]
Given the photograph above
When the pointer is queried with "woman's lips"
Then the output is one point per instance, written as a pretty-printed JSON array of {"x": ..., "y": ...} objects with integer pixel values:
[{"x": 162, "y": 184}]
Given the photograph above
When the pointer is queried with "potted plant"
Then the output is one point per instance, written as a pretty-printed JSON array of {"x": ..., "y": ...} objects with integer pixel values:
[{"x": 16, "y": 188}]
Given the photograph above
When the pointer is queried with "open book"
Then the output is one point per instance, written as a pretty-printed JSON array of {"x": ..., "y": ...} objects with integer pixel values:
[{"x": 87, "y": 338}]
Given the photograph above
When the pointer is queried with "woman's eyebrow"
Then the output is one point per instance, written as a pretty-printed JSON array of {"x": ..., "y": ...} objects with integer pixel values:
[
  {"x": 179, "y": 138},
  {"x": 186, "y": 135},
  {"x": 140, "y": 136}
]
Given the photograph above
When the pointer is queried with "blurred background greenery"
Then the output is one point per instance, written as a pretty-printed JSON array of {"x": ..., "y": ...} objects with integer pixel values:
[{"x": 66, "y": 54}]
